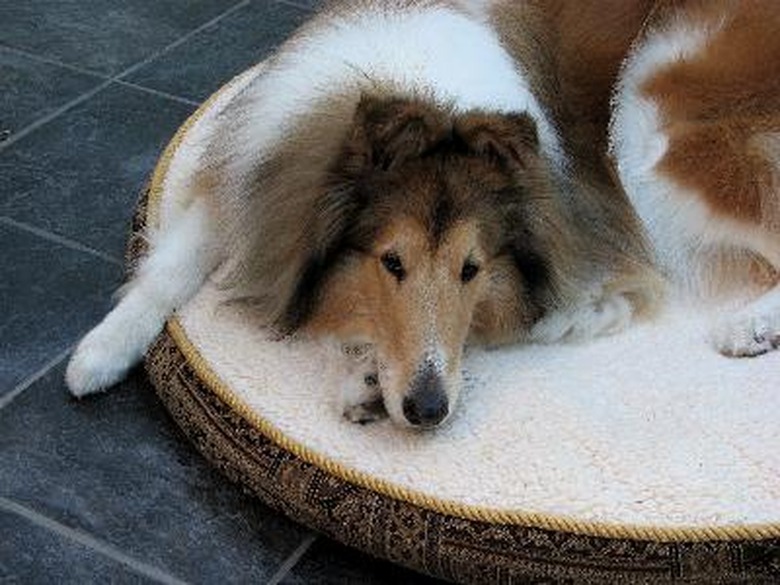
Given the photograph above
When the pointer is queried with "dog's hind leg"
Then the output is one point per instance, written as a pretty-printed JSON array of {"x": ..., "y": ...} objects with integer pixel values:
[{"x": 181, "y": 257}]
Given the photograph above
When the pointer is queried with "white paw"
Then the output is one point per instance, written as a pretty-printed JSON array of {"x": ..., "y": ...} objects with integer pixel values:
[
  {"x": 361, "y": 395},
  {"x": 366, "y": 412},
  {"x": 361, "y": 398},
  {"x": 747, "y": 334},
  {"x": 98, "y": 363},
  {"x": 603, "y": 316}
]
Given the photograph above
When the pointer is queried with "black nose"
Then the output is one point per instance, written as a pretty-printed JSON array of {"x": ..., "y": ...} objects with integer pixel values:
[{"x": 427, "y": 404}]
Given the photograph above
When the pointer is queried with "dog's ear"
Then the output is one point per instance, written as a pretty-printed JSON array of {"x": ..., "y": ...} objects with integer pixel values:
[
  {"x": 388, "y": 131},
  {"x": 509, "y": 139}
]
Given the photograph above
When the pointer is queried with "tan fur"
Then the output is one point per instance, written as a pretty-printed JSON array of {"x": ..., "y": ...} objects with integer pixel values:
[
  {"x": 430, "y": 314},
  {"x": 720, "y": 110},
  {"x": 267, "y": 220}
]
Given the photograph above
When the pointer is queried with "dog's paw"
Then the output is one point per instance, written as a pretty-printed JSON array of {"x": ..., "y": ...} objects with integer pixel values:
[
  {"x": 365, "y": 413},
  {"x": 360, "y": 395},
  {"x": 361, "y": 398},
  {"x": 98, "y": 363},
  {"x": 747, "y": 334},
  {"x": 604, "y": 316}
]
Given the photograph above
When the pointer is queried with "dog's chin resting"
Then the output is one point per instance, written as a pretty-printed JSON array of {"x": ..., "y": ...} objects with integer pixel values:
[{"x": 404, "y": 178}]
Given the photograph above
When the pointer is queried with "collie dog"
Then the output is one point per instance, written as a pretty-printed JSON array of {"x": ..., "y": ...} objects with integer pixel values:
[{"x": 403, "y": 178}]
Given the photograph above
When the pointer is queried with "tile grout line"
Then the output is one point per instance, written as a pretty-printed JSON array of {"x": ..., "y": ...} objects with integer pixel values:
[
  {"x": 96, "y": 75},
  {"x": 117, "y": 78},
  {"x": 285, "y": 568},
  {"x": 89, "y": 542},
  {"x": 158, "y": 93},
  {"x": 295, "y": 4},
  {"x": 57, "y": 239},
  {"x": 9, "y": 397}
]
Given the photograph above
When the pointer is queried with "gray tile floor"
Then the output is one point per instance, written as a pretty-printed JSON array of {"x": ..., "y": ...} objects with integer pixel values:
[{"x": 107, "y": 490}]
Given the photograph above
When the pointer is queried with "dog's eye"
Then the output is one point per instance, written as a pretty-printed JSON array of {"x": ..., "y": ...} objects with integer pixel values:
[
  {"x": 393, "y": 264},
  {"x": 469, "y": 271}
]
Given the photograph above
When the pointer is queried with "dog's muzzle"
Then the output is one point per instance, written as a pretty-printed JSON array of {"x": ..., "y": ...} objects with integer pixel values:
[{"x": 427, "y": 404}]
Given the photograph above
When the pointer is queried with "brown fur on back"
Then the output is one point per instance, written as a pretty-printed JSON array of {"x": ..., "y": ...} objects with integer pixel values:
[
  {"x": 721, "y": 111},
  {"x": 721, "y": 108}
]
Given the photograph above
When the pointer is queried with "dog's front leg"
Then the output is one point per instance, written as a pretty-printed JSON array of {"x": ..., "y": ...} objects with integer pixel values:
[
  {"x": 595, "y": 316},
  {"x": 361, "y": 395},
  {"x": 751, "y": 331}
]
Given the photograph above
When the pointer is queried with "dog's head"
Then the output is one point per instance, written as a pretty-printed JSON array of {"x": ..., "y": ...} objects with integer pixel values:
[{"x": 431, "y": 228}]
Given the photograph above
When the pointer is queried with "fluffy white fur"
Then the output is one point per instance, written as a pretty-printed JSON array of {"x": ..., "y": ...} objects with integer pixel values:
[
  {"x": 602, "y": 314},
  {"x": 753, "y": 330},
  {"x": 357, "y": 379}
]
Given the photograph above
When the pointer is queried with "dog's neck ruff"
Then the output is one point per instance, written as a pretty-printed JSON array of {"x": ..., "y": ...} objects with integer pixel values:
[{"x": 433, "y": 52}]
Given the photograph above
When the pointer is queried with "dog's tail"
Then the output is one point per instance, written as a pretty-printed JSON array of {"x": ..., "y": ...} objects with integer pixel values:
[{"x": 181, "y": 257}]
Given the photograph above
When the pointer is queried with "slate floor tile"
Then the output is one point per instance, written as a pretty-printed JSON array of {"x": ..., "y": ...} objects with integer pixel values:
[
  {"x": 105, "y": 36},
  {"x": 115, "y": 467},
  {"x": 31, "y": 554},
  {"x": 30, "y": 89},
  {"x": 197, "y": 68},
  {"x": 329, "y": 562},
  {"x": 49, "y": 296},
  {"x": 79, "y": 175}
]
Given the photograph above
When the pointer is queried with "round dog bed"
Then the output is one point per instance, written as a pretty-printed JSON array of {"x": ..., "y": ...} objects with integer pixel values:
[{"x": 644, "y": 457}]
